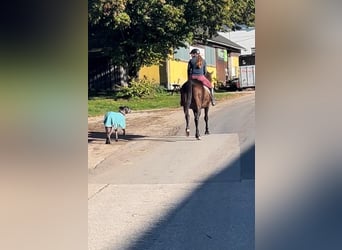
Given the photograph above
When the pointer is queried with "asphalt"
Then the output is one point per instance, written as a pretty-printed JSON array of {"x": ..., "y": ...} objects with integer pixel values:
[
  {"x": 174, "y": 192},
  {"x": 185, "y": 200}
]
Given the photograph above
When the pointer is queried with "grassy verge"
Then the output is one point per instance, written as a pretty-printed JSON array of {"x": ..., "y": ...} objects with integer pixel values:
[{"x": 100, "y": 105}]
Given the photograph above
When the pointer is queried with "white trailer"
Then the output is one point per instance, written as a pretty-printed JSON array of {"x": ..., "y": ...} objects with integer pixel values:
[{"x": 247, "y": 72}]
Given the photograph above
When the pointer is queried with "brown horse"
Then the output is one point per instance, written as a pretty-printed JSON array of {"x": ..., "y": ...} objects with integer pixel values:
[{"x": 196, "y": 97}]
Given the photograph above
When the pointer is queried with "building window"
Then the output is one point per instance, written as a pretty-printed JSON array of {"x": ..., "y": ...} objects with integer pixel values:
[
  {"x": 210, "y": 56},
  {"x": 208, "y": 53},
  {"x": 182, "y": 54}
]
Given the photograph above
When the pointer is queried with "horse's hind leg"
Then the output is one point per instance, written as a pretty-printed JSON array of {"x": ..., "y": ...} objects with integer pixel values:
[
  {"x": 187, "y": 116},
  {"x": 206, "y": 119},
  {"x": 197, "y": 115}
]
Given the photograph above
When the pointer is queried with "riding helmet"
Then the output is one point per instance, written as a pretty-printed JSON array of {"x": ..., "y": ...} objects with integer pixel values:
[{"x": 195, "y": 51}]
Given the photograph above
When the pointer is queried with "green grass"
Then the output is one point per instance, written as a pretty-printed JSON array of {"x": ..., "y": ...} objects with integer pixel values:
[{"x": 100, "y": 105}]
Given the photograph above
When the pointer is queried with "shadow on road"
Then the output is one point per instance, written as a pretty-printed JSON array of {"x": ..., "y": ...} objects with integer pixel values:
[
  {"x": 248, "y": 164},
  {"x": 101, "y": 136},
  {"x": 218, "y": 214}
]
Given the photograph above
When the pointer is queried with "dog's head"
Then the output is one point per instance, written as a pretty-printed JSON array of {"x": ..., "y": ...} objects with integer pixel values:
[{"x": 124, "y": 109}]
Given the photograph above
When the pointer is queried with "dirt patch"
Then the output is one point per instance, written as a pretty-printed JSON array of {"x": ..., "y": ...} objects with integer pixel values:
[{"x": 138, "y": 125}]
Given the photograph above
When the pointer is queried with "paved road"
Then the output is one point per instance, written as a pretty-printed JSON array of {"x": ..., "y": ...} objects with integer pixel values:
[{"x": 176, "y": 192}]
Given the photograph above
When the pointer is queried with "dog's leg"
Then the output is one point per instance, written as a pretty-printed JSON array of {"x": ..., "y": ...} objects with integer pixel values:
[
  {"x": 116, "y": 135},
  {"x": 109, "y": 131}
]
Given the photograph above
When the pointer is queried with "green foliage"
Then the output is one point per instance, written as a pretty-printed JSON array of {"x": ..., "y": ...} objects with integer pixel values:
[
  {"x": 138, "y": 33},
  {"x": 242, "y": 12},
  {"x": 217, "y": 84},
  {"x": 108, "y": 13},
  {"x": 140, "y": 89}
]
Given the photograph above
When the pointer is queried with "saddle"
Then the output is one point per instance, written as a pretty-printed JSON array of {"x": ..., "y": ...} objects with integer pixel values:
[{"x": 204, "y": 86}]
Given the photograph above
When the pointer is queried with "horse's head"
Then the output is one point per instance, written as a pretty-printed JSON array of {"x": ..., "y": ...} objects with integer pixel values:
[{"x": 209, "y": 75}]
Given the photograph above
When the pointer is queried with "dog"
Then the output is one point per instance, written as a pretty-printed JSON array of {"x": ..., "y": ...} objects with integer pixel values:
[{"x": 114, "y": 121}]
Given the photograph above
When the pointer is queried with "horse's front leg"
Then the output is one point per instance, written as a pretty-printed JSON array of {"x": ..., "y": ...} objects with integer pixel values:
[
  {"x": 109, "y": 131},
  {"x": 187, "y": 116},
  {"x": 197, "y": 115},
  {"x": 206, "y": 119}
]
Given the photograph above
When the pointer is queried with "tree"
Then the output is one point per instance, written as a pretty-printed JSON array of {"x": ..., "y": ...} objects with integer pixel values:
[
  {"x": 242, "y": 12},
  {"x": 140, "y": 33}
]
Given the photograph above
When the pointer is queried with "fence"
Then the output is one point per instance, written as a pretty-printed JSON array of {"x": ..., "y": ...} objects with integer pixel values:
[{"x": 104, "y": 76}]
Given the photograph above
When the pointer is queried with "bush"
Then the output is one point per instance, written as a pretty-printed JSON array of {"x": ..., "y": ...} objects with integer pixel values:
[
  {"x": 219, "y": 85},
  {"x": 140, "y": 88}
]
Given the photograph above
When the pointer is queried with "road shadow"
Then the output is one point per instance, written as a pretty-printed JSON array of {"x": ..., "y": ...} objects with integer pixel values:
[
  {"x": 167, "y": 139},
  {"x": 94, "y": 136},
  {"x": 101, "y": 136},
  {"x": 248, "y": 162},
  {"x": 218, "y": 214}
]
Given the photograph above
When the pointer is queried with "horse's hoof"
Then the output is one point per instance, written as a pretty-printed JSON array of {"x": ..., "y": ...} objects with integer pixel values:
[
  {"x": 107, "y": 141},
  {"x": 116, "y": 140},
  {"x": 198, "y": 138},
  {"x": 207, "y": 133},
  {"x": 187, "y": 132}
]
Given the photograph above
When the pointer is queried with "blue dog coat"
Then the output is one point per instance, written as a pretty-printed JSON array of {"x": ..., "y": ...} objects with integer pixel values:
[{"x": 115, "y": 119}]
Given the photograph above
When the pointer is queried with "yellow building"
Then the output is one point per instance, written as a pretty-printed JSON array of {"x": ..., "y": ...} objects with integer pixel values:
[{"x": 221, "y": 55}]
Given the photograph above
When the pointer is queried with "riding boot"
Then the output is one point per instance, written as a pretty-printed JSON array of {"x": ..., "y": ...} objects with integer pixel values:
[{"x": 212, "y": 96}]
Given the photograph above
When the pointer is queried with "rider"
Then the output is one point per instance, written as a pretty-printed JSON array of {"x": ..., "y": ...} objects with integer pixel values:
[{"x": 197, "y": 70}]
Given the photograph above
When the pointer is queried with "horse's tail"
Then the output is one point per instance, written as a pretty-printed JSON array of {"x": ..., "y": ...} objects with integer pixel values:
[{"x": 186, "y": 94}]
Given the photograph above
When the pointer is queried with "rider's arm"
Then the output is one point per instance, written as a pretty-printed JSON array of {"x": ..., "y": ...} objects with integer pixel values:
[{"x": 189, "y": 69}]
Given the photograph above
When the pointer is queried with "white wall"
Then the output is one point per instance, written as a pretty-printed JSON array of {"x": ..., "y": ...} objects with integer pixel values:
[{"x": 245, "y": 38}]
